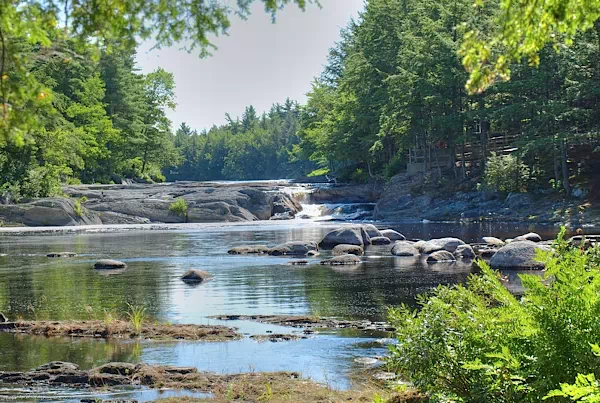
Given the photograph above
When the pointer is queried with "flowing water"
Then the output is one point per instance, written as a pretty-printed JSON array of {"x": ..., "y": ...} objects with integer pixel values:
[{"x": 34, "y": 286}]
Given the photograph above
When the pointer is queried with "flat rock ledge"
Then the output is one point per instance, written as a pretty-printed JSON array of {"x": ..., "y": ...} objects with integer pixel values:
[
  {"x": 58, "y": 373},
  {"x": 310, "y": 323},
  {"x": 120, "y": 329},
  {"x": 277, "y": 337}
]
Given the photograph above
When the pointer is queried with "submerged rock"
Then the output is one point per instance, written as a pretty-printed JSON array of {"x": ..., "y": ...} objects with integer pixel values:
[
  {"x": 518, "y": 255},
  {"x": 299, "y": 262},
  {"x": 380, "y": 240},
  {"x": 393, "y": 235},
  {"x": 342, "y": 260},
  {"x": 62, "y": 254},
  {"x": 348, "y": 250},
  {"x": 464, "y": 252},
  {"x": 108, "y": 264},
  {"x": 249, "y": 250},
  {"x": 404, "y": 248},
  {"x": 196, "y": 276},
  {"x": 297, "y": 248},
  {"x": 441, "y": 256}
]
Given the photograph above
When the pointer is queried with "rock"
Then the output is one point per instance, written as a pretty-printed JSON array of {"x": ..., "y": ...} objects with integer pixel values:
[
  {"x": 345, "y": 236},
  {"x": 369, "y": 193},
  {"x": 312, "y": 253},
  {"x": 299, "y": 262},
  {"x": 464, "y": 252},
  {"x": 62, "y": 254},
  {"x": 484, "y": 251},
  {"x": 367, "y": 361},
  {"x": 532, "y": 236},
  {"x": 441, "y": 256},
  {"x": 372, "y": 230},
  {"x": 384, "y": 376},
  {"x": 447, "y": 244},
  {"x": 393, "y": 235},
  {"x": 48, "y": 212},
  {"x": 518, "y": 255},
  {"x": 282, "y": 216},
  {"x": 403, "y": 248},
  {"x": 196, "y": 276},
  {"x": 108, "y": 264},
  {"x": 380, "y": 240},
  {"x": 284, "y": 204},
  {"x": 516, "y": 201},
  {"x": 297, "y": 248},
  {"x": 249, "y": 250},
  {"x": 342, "y": 260},
  {"x": 492, "y": 241},
  {"x": 348, "y": 250},
  {"x": 3, "y": 318},
  {"x": 57, "y": 367},
  {"x": 117, "y": 368}
]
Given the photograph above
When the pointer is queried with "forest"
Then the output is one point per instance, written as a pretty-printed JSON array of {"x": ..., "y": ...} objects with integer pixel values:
[{"x": 394, "y": 84}]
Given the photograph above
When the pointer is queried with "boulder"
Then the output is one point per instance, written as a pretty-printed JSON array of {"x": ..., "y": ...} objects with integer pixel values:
[
  {"x": 441, "y": 256},
  {"x": 464, "y": 252},
  {"x": 532, "y": 236},
  {"x": 393, "y": 235},
  {"x": 249, "y": 250},
  {"x": 342, "y": 260},
  {"x": 48, "y": 212},
  {"x": 117, "y": 368},
  {"x": 403, "y": 248},
  {"x": 108, "y": 264},
  {"x": 196, "y": 276},
  {"x": 492, "y": 241},
  {"x": 345, "y": 236},
  {"x": 282, "y": 216},
  {"x": 348, "y": 250},
  {"x": 297, "y": 248},
  {"x": 447, "y": 244},
  {"x": 518, "y": 255},
  {"x": 62, "y": 254},
  {"x": 284, "y": 204},
  {"x": 380, "y": 240},
  {"x": 372, "y": 230}
]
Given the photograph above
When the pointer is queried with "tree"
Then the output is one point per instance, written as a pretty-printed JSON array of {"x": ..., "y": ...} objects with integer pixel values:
[
  {"x": 97, "y": 25},
  {"x": 520, "y": 30}
]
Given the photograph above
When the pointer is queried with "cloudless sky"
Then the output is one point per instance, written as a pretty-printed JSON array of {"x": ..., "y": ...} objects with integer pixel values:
[{"x": 258, "y": 64}]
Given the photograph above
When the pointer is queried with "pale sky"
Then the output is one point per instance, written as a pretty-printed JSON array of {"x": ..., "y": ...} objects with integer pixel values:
[{"x": 258, "y": 64}]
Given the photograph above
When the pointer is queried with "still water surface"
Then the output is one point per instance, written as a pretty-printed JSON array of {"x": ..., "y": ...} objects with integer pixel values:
[{"x": 34, "y": 286}]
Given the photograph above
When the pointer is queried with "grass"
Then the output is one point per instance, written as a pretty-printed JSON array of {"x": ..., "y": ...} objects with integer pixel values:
[
  {"x": 179, "y": 207},
  {"x": 78, "y": 208},
  {"x": 137, "y": 317}
]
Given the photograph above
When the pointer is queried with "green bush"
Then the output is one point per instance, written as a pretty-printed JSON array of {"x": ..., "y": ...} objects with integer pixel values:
[
  {"x": 179, "y": 207},
  {"x": 78, "y": 208},
  {"x": 479, "y": 343},
  {"x": 506, "y": 173}
]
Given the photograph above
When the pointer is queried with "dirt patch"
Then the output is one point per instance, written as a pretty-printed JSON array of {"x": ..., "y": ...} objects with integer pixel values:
[
  {"x": 310, "y": 322},
  {"x": 120, "y": 329},
  {"x": 250, "y": 387}
]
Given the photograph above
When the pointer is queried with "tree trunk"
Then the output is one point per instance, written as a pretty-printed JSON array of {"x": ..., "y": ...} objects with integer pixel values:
[
  {"x": 565, "y": 167},
  {"x": 556, "y": 165},
  {"x": 145, "y": 157}
]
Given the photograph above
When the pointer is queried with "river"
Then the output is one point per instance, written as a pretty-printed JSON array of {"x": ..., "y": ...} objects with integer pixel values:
[{"x": 33, "y": 286}]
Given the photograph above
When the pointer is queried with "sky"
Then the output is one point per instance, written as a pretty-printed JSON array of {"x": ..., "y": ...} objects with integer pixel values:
[{"x": 258, "y": 63}]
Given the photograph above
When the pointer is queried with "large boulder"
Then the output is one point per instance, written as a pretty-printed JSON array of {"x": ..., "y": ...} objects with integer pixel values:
[
  {"x": 341, "y": 260},
  {"x": 464, "y": 252},
  {"x": 348, "y": 250},
  {"x": 345, "y": 236},
  {"x": 372, "y": 230},
  {"x": 532, "y": 236},
  {"x": 403, "y": 248},
  {"x": 441, "y": 256},
  {"x": 493, "y": 241},
  {"x": 49, "y": 212},
  {"x": 109, "y": 264},
  {"x": 297, "y": 248},
  {"x": 518, "y": 255},
  {"x": 194, "y": 276},
  {"x": 393, "y": 235},
  {"x": 380, "y": 240},
  {"x": 285, "y": 205},
  {"x": 447, "y": 244}
]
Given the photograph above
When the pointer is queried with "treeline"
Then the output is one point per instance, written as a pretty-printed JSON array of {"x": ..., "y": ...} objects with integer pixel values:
[
  {"x": 251, "y": 147},
  {"x": 107, "y": 122},
  {"x": 396, "y": 81}
]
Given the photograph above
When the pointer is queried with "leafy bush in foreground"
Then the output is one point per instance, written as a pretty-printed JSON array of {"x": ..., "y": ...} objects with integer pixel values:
[{"x": 480, "y": 343}]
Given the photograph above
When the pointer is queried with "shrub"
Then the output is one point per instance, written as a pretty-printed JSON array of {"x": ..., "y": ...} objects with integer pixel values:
[
  {"x": 480, "y": 343},
  {"x": 180, "y": 208},
  {"x": 506, "y": 173},
  {"x": 78, "y": 208}
]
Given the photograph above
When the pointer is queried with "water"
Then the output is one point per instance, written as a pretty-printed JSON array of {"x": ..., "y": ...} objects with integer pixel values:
[{"x": 33, "y": 286}]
